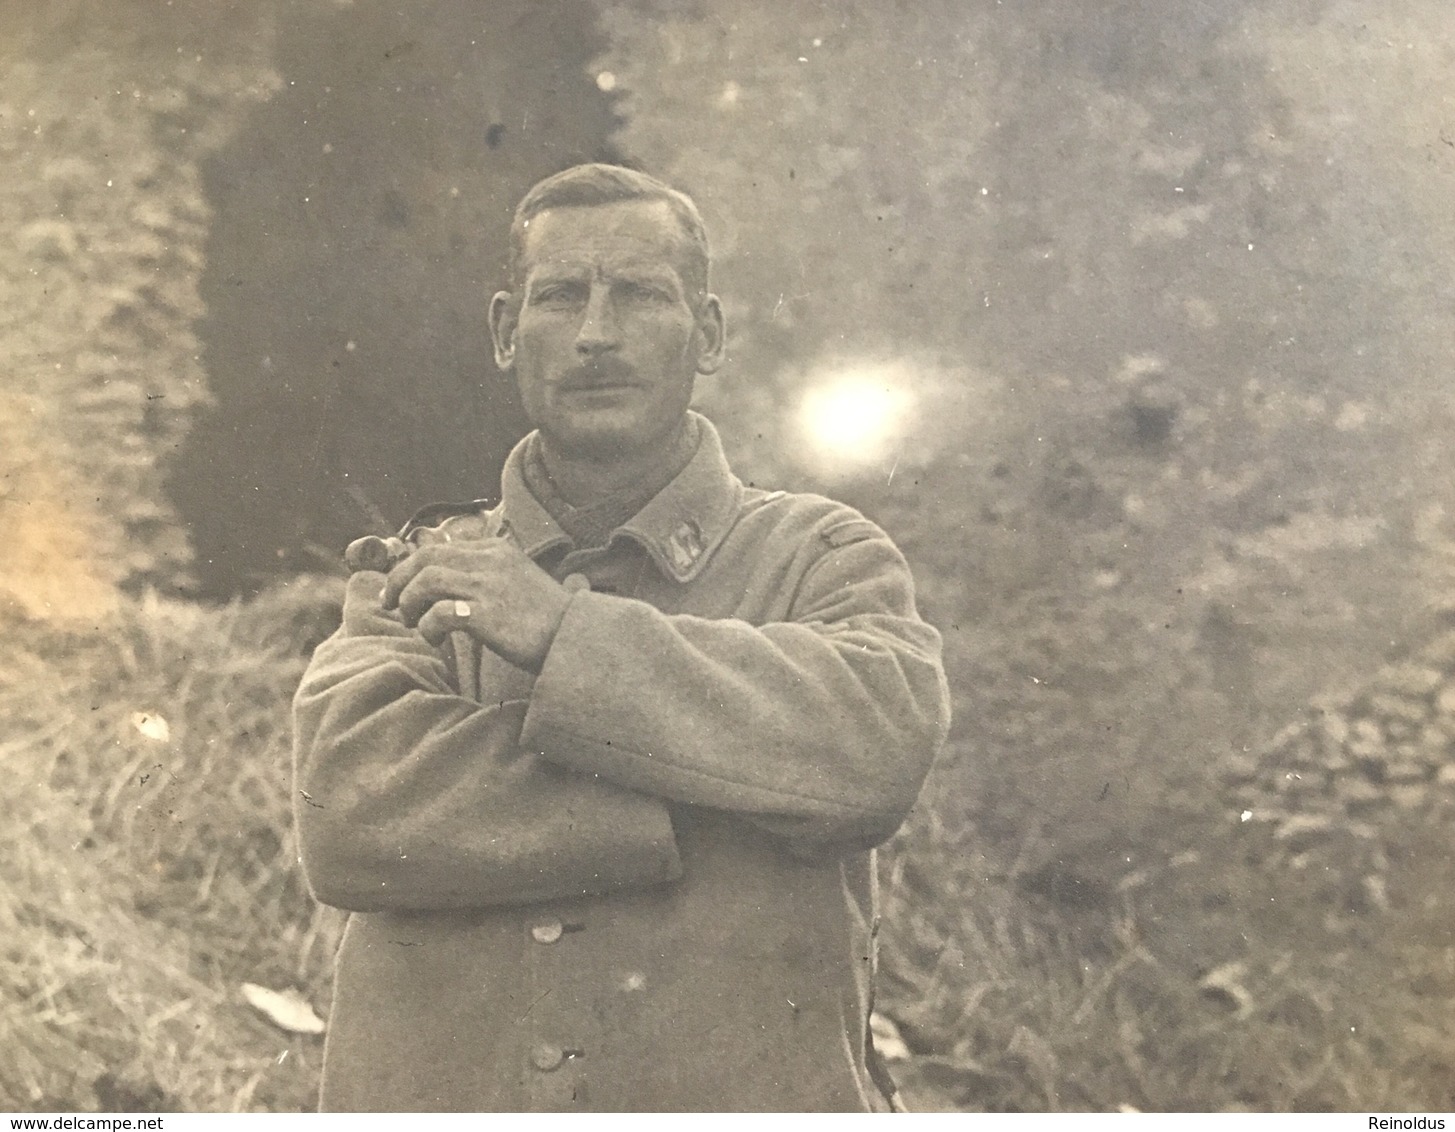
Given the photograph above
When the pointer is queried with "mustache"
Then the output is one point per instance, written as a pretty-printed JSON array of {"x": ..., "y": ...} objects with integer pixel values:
[{"x": 597, "y": 375}]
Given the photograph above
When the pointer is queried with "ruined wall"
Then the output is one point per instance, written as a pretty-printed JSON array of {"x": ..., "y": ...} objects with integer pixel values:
[
  {"x": 252, "y": 249},
  {"x": 1327, "y": 795},
  {"x": 103, "y": 124}
]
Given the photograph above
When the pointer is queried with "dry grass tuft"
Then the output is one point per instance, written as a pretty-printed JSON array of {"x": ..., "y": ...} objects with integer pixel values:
[
  {"x": 144, "y": 877},
  {"x": 1201, "y": 983}
]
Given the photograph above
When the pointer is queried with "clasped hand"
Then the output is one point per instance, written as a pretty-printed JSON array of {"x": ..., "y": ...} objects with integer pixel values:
[{"x": 511, "y": 606}]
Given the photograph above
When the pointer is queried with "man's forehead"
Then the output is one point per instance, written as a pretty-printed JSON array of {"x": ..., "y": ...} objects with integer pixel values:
[{"x": 640, "y": 234}]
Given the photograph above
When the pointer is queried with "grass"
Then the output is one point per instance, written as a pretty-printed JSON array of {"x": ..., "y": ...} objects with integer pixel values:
[
  {"x": 143, "y": 879},
  {"x": 1210, "y": 980}
]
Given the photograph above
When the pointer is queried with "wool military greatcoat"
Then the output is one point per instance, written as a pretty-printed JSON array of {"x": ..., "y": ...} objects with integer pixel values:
[{"x": 642, "y": 878}]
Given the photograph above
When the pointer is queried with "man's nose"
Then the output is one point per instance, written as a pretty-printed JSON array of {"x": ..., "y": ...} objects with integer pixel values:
[{"x": 598, "y": 330}]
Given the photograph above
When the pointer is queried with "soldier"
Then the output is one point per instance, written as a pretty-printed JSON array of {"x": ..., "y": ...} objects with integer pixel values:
[{"x": 612, "y": 850}]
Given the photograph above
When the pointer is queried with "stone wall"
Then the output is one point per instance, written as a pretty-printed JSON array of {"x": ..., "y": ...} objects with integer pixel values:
[
  {"x": 251, "y": 251},
  {"x": 1325, "y": 795},
  {"x": 103, "y": 124}
]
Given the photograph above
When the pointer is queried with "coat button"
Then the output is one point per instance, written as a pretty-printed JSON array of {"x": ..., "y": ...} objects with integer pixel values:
[
  {"x": 575, "y": 583},
  {"x": 546, "y": 1057},
  {"x": 548, "y": 932}
]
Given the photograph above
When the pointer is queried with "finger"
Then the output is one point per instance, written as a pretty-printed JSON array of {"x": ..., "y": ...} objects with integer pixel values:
[
  {"x": 364, "y": 587},
  {"x": 400, "y": 576},
  {"x": 432, "y": 584},
  {"x": 468, "y": 557},
  {"x": 443, "y": 618},
  {"x": 363, "y": 615}
]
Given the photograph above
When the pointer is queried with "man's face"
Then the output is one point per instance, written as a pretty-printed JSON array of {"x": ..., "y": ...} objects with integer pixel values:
[{"x": 604, "y": 338}]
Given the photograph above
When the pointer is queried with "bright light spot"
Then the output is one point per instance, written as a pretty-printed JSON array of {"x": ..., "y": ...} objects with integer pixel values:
[
  {"x": 854, "y": 417},
  {"x": 151, "y": 725},
  {"x": 606, "y": 81}
]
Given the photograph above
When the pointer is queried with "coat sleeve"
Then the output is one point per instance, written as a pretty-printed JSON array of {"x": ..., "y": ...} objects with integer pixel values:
[
  {"x": 409, "y": 796},
  {"x": 820, "y": 728}
]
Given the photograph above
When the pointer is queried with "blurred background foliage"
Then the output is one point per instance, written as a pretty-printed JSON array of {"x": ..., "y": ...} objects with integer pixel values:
[{"x": 1131, "y": 322}]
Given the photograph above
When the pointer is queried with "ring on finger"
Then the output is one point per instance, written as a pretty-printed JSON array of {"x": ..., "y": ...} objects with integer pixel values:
[{"x": 462, "y": 610}]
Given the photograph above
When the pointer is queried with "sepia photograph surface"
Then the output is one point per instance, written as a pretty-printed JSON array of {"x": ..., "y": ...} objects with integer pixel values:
[{"x": 1124, "y": 329}]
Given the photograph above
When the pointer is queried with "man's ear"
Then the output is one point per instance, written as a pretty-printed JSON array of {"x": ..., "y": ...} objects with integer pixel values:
[
  {"x": 713, "y": 328},
  {"x": 504, "y": 312}
]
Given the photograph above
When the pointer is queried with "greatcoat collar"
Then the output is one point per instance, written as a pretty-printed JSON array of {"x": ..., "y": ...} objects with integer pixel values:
[{"x": 679, "y": 529}]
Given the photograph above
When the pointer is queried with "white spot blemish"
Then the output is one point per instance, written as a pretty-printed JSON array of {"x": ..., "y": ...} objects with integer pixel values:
[{"x": 152, "y": 726}]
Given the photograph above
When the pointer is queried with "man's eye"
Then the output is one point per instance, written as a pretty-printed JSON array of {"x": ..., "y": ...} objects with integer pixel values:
[
  {"x": 556, "y": 295},
  {"x": 643, "y": 293}
]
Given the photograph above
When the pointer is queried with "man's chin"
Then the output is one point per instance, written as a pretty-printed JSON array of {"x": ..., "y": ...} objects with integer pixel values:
[{"x": 598, "y": 440}]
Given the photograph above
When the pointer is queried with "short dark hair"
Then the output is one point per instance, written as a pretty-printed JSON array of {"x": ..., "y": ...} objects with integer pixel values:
[{"x": 583, "y": 186}]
